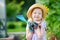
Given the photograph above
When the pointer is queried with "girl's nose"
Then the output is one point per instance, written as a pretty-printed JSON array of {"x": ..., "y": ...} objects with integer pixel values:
[{"x": 37, "y": 14}]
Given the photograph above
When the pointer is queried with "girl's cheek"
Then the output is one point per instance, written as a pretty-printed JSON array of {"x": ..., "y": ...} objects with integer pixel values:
[
  {"x": 40, "y": 16},
  {"x": 34, "y": 16}
]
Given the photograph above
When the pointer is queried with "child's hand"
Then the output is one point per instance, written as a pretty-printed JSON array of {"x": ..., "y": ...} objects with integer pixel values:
[
  {"x": 40, "y": 32},
  {"x": 30, "y": 20},
  {"x": 29, "y": 34}
]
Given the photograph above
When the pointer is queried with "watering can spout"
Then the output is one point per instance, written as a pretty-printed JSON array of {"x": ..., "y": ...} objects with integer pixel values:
[{"x": 21, "y": 17}]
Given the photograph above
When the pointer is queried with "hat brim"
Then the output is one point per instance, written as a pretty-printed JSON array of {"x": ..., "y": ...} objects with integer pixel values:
[{"x": 36, "y": 6}]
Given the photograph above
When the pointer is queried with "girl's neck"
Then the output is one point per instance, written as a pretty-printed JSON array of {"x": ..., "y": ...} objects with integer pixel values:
[{"x": 38, "y": 21}]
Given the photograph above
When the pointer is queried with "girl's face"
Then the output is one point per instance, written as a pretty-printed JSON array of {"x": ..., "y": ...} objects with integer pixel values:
[{"x": 37, "y": 14}]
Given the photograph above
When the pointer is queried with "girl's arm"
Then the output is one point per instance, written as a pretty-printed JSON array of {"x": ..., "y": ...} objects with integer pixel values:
[{"x": 28, "y": 34}]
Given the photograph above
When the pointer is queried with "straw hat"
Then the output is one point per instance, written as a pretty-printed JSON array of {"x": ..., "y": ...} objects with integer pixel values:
[{"x": 44, "y": 9}]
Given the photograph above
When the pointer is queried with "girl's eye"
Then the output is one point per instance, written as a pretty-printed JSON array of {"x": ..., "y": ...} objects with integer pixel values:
[
  {"x": 35, "y": 13},
  {"x": 39, "y": 13}
]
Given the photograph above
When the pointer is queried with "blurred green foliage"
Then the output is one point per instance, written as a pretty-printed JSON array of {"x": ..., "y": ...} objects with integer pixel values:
[
  {"x": 13, "y": 26},
  {"x": 13, "y": 8},
  {"x": 53, "y": 16},
  {"x": 23, "y": 24}
]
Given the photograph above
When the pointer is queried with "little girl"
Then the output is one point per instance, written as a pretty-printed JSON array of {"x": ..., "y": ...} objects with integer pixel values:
[{"x": 36, "y": 25}]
